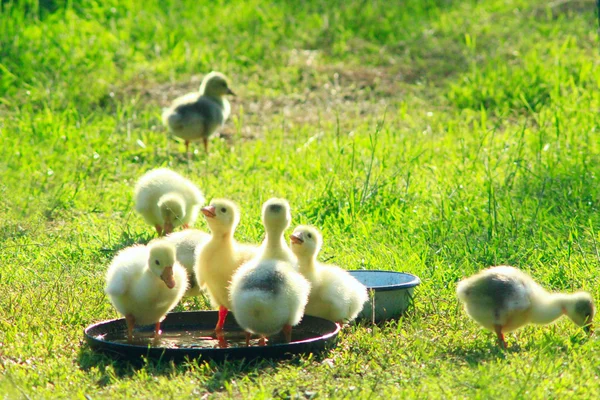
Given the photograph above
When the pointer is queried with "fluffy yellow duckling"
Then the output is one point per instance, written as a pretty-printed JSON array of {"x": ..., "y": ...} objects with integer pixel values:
[
  {"x": 222, "y": 255},
  {"x": 276, "y": 218},
  {"x": 188, "y": 243},
  {"x": 503, "y": 299},
  {"x": 335, "y": 294},
  {"x": 144, "y": 283},
  {"x": 167, "y": 200},
  {"x": 268, "y": 296},
  {"x": 196, "y": 116}
]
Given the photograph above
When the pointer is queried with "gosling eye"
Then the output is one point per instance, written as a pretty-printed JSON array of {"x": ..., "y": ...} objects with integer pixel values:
[
  {"x": 309, "y": 235},
  {"x": 156, "y": 262},
  {"x": 223, "y": 209}
]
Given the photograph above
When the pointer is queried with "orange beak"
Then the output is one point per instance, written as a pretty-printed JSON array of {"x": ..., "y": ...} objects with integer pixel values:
[
  {"x": 168, "y": 228},
  {"x": 167, "y": 277},
  {"x": 209, "y": 211},
  {"x": 296, "y": 238}
]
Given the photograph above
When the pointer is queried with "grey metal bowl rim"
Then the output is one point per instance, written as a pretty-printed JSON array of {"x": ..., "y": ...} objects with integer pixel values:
[{"x": 415, "y": 281}]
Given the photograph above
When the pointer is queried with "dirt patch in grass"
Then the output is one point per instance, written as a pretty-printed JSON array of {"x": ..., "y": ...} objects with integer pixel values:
[
  {"x": 565, "y": 8},
  {"x": 311, "y": 91},
  {"x": 322, "y": 94},
  {"x": 327, "y": 94}
]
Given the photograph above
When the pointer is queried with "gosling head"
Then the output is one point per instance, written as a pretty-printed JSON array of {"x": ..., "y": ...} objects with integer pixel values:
[
  {"x": 215, "y": 84},
  {"x": 276, "y": 216},
  {"x": 172, "y": 210},
  {"x": 580, "y": 309},
  {"x": 306, "y": 241},
  {"x": 222, "y": 216},
  {"x": 161, "y": 260}
]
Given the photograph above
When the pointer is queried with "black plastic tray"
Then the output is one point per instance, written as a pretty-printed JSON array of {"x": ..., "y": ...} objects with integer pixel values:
[{"x": 185, "y": 335}]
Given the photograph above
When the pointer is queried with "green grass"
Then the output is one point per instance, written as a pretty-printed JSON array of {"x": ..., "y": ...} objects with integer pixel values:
[{"x": 433, "y": 137}]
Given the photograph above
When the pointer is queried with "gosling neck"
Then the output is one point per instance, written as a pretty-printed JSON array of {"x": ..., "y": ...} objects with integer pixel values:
[
  {"x": 218, "y": 98},
  {"x": 274, "y": 240},
  {"x": 222, "y": 235},
  {"x": 550, "y": 308},
  {"x": 274, "y": 237},
  {"x": 306, "y": 263}
]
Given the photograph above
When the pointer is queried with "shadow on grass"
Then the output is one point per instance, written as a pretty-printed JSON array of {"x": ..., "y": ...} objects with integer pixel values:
[
  {"x": 563, "y": 8},
  {"x": 218, "y": 372},
  {"x": 482, "y": 350},
  {"x": 476, "y": 353}
]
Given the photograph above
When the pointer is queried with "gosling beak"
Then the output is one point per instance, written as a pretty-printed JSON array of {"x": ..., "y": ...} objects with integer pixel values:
[
  {"x": 167, "y": 277},
  {"x": 229, "y": 91},
  {"x": 209, "y": 211},
  {"x": 168, "y": 228},
  {"x": 296, "y": 238}
]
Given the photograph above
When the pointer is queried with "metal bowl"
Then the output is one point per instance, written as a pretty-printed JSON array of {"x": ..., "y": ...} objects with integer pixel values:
[
  {"x": 188, "y": 335},
  {"x": 391, "y": 293}
]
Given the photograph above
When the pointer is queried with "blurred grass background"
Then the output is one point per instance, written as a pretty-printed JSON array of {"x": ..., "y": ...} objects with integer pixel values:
[{"x": 433, "y": 137}]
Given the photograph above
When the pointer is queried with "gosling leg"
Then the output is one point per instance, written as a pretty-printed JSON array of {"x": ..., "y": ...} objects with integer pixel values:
[
  {"x": 287, "y": 331},
  {"x": 222, "y": 315},
  {"x": 501, "y": 340},
  {"x": 222, "y": 341},
  {"x": 130, "y": 319}
]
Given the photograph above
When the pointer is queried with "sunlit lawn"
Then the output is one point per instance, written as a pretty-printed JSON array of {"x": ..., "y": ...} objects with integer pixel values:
[{"x": 432, "y": 137}]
